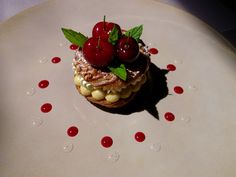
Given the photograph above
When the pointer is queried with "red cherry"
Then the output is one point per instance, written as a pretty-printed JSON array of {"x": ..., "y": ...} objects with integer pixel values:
[
  {"x": 127, "y": 49},
  {"x": 102, "y": 29},
  {"x": 98, "y": 52}
]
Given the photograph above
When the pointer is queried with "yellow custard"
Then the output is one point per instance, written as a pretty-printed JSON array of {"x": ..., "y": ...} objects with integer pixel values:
[{"x": 87, "y": 89}]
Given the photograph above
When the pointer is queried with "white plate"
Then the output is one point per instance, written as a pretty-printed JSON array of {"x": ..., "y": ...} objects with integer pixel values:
[{"x": 200, "y": 142}]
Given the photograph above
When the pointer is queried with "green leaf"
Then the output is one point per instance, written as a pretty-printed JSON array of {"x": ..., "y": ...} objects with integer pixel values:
[
  {"x": 74, "y": 37},
  {"x": 114, "y": 35},
  {"x": 135, "y": 32},
  {"x": 119, "y": 71}
]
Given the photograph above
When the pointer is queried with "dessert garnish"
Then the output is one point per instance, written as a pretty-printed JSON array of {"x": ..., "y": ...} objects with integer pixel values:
[
  {"x": 110, "y": 66},
  {"x": 103, "y": 29},
  {"x": 108, "y": 48}
]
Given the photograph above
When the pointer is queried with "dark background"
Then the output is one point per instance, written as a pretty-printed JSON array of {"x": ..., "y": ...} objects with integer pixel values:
[{"x": 220, "y": 14}]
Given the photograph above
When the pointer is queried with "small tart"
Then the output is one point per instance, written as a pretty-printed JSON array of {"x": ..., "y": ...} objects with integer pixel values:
[{"x": 104, "y": 88}]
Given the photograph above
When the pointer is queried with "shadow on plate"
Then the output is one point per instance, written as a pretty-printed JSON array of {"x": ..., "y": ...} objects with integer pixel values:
[{"x": 151, "y": 93}]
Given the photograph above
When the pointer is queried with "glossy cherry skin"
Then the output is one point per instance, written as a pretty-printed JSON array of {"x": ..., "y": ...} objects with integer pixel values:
[
  {"x": 102, "y": 30},
  {"x": 98, "y": 53},
  {"x": 127, "y": 49}
]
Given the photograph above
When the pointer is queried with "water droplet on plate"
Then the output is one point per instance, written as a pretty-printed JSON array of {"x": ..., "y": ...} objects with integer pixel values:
[
  {"x": 178, "y": 61},
  {"x": 37, "y": 122},
  {"x": 30, "y": 91},
  {"x": 68, "y": 147},
  {"x": 113, "y": 157},
  {"x": 155, "y": 147},
  {"x": 43, "y": 60}
]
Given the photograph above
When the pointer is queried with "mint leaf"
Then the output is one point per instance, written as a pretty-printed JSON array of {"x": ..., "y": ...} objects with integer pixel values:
[
  {"x": 135, "y": 32},
  {"x": 74, "y": 37},
  {"x": 119, "y": 71},
  {"x": 113, "y": 36}
]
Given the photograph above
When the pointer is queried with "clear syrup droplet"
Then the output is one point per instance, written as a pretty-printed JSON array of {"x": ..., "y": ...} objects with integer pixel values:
[
  {"x": 185, "y": 119},
  {"x": 30, "y": 91},
  {"x": 37, "y": 122},
  {"x": 68, "y": 147},
  {"x": 113, "y": 157},
  {"x": 192, "y": 87},
  {"x": 61, "y": 44},
  {"x": 43, "y": 60},
  {"x": 155, "y": 147},
  {"x": 76, "y": 106},
  {"x": 178, "y": 61}
]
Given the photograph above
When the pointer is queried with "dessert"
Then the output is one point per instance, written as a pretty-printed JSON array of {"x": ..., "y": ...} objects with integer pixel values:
[{"x": 111, "y": 66}]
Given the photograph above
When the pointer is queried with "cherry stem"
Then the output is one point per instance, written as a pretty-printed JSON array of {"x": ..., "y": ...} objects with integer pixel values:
[
  {"x": 127, "y": 39},
  {"x": 104, "y": 22}
]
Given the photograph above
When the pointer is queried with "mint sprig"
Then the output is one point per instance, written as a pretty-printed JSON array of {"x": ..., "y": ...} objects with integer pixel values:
[
  {"x": 74, "y": 37},
  {"x": 113, "y": 35},
  {"x": 119, "y": 71},
  {"x": 135, "y": 32}
]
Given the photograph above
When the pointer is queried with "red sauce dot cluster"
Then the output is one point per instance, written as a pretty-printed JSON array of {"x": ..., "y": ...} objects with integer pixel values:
[
  {"x": 107, "y": 141},
  {"x": 177, "y": 89},
  {"x": 47, "y": 107}
]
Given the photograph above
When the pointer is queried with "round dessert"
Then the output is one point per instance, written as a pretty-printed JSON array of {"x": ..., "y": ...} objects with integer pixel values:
[
  {"x": 110, "y": 67},
  {"x": 105, "y": 88}
]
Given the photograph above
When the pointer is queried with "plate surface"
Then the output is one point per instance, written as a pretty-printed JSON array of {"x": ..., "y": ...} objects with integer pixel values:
[{"x": 200, "y": 141}]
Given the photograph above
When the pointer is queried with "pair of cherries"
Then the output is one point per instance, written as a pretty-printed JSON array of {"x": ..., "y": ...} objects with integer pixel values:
[{"x": 99, "y": 52}]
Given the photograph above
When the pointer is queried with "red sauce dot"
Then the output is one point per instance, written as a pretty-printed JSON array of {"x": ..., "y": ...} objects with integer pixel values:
[
  {"x": 139, "y": 136},
  {"x": 153, "y": 51},
  {"x": 56, "y": 60},
  {"x": 73, "y": 47},
  {"x": 169, "y": 116},
  {"x": 47, "y": 107},
  {"x": 72, "y": 131},
  {"x": 43, "y": 84},
  {"x": 178, "y": 90},
  {"x": 106, "y": 141},
  {"x": 171, "y": 67}
]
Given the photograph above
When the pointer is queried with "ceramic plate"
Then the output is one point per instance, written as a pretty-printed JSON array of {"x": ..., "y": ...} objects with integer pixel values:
[{"x": 199, "y": 139}]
